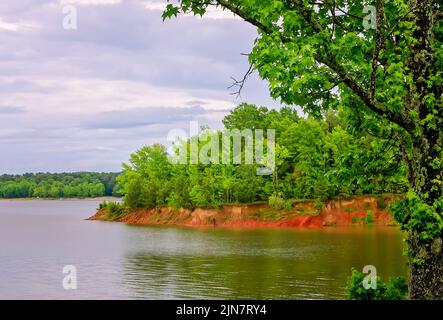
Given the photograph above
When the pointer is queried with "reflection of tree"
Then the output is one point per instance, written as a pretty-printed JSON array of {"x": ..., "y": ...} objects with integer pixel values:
[{"x": 272, "y": 264}]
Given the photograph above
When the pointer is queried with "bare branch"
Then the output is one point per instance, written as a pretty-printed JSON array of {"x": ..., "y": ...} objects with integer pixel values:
[{"x": 240, "y": 83}]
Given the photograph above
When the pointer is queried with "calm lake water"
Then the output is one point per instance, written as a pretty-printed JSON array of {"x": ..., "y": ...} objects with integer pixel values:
[{"x": 117, "y": 261}]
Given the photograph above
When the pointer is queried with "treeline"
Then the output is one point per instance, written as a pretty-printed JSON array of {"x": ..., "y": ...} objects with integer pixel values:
[
  {"x": 316, "y": 158},
  {"x": 58, "y": 185}
]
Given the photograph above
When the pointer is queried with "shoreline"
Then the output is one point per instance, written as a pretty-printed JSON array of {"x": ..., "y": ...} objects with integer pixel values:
[{"x": 361, "y": 210}]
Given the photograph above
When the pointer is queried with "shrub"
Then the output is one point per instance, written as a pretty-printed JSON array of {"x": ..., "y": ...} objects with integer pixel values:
[
  {"x": 102, "y": 205},
  {"x": 114, "y": 207},
  {"x": 115, "y": 210},
  {"x": 415, "y": 214},
  {"x": 288, "y": 204},
  {"x": 370, "y": 217},
  {"x": 276, "y": 201},
  {"x": 395, "y": 289},
  {"x": 354, "y": 219},
  {"x": 175, "y": 201}
]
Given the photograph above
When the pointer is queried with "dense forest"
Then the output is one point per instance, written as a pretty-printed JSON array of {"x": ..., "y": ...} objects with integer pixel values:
[
  {"x": 58, "y": 185},
  {"x": 382, "y": 61},
  {"x": 317, "y": 158}
]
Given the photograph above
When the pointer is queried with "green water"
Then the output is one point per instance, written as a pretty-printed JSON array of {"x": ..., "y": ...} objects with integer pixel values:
[{"x": 117, "y": 261}]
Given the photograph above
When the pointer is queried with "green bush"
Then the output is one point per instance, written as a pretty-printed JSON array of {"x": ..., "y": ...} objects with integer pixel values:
[
  {"x": 395, "y": 289},
  {"x": 288, "y": 204},
  {"x": 370, "y": 217},
  {"x": 276, "y": 201},
  {"x": 175, "y": 201},
  {"x": 102, "y": 205},
  {"x": 114, "y": 207},
  {"x": 115, "y": 210},
  {"x": 415, "y": 214}
]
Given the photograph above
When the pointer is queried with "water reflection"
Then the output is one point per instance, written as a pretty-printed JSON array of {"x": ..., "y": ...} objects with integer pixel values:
[
  {"x": 257, "y": 264},
  {"x": 117, "y": 261}
]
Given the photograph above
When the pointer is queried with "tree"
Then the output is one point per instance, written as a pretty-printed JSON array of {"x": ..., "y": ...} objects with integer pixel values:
[
  {"x": 56, "y": 185},
  {"x": 246, "y": 116},
  {"x": 145, "y": 177},
  {"x": 318, "y": 55},
  {"x": 315, "y": 158}
]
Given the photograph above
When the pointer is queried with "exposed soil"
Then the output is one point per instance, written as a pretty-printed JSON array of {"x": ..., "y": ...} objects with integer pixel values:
[{"x": 344, "y": 212}]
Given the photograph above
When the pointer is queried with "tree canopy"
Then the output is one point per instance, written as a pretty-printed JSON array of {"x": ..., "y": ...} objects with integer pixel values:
[
  {"x": 322, "y": 160},
  {"x": 58, "y": 185},
  {"x": 385, "y": 68}
]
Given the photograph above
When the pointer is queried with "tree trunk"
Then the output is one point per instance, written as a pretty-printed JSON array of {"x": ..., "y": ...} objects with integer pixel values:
[
  {"x": 426, "y": 280},
  {"x": 425, "y": 170},
  {"x": 426, "y": 259}
]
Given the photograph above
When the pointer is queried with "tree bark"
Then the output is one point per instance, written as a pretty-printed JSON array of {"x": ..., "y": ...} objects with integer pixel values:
[
  {"x": 426, "y": 280},
  {"x": 426, "y": 266}
]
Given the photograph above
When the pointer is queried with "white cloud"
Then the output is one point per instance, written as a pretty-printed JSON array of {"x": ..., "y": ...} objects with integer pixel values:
[
  {"x": 19, "y": 26},
  {"x": 87, "y": 95}
]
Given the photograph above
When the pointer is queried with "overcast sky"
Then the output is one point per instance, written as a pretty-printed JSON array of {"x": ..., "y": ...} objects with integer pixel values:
[{"x": 76, "y": 100}]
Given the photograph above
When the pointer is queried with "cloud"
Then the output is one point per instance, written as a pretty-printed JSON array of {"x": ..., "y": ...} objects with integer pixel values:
[
  {"x": 141, "y": 117},
  {"x": 11, "y": 110},
  {"x": 123, "y": 79}
]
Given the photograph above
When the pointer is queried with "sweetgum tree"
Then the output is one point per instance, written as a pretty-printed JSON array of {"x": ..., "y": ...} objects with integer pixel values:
[{"x": 386, "y": 70}]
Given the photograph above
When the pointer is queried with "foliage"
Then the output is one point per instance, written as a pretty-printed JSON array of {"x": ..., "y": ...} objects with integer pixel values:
[
  {"x": 317, "y": 158},
  {"x": 370, "y": 217},
  {"x": 115, "y": 210},
  {"x": 416, "y": 215},
  {"x": 278, "y": 202},
  {"x": 395, "y": 289},
  {"x": 58, "y": 185},
  {"x": 114, "y": 207},
  {"x": 386, "y": 71}
]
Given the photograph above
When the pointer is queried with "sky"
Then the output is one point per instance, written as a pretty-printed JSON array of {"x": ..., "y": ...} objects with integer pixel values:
[{"x": 84, "y": 99}]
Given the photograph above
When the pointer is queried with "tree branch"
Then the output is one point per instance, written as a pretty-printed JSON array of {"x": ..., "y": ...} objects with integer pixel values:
[
  {"x": 240, "y": 83},
  {"x": 327, "y": 58}
]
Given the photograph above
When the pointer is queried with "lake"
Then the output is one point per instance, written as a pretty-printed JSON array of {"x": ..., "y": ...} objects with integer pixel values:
[{"x": 117, "y": 261}]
